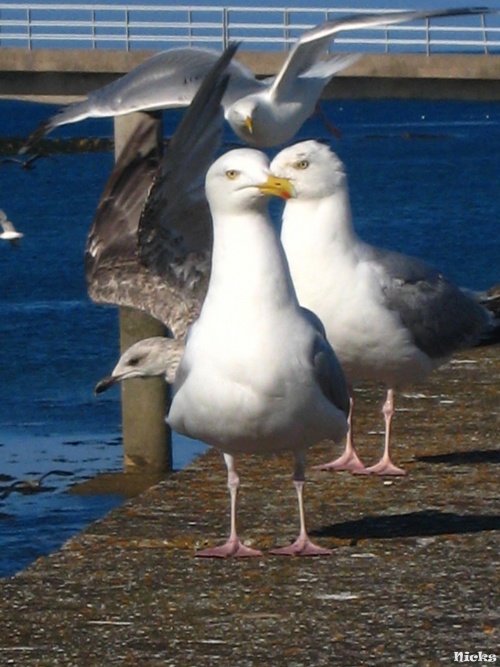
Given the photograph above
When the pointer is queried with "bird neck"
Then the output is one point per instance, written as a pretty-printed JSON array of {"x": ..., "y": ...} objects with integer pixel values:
[
  {"x": 248, "y": 263},
  {"x": 325, "y": 221}
]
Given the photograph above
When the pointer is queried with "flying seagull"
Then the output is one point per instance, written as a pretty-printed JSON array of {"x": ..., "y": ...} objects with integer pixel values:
[
  {"x": 28, "y": 163},
  {"x": 9, "y": 232},
  {"x": 262, "y": 113},
  {"x": 390, "y": 318},
  {"x": 31, "y": 486}
]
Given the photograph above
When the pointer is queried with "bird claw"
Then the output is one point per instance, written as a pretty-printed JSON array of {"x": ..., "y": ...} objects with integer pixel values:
[
  {"x": 231, "y": 549},
  {"x": 350, "y": 462},
  {"x": 301, "y": 547},
  {"x": 382, "y": 468}
]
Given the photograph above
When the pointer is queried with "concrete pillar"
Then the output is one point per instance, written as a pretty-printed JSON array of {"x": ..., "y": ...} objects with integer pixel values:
[{"x": 147, "y": 440}]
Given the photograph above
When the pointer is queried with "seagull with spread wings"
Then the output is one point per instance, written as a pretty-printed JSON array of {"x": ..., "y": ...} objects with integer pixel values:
[{"x": 262, "y": 113}]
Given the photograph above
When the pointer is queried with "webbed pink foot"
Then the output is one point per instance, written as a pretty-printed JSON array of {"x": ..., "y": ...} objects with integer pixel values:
[
  {"x": 382, "y": 468},
  {"x": 231, "y": 549},
  {"x": 302, "y": 547},
  {"x": 348, "y": 461}
]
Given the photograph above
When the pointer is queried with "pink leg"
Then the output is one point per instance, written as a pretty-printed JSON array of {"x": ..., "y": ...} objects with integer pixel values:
[
  {"x": 385, "y": 466},
  {"x": 302, "y": 546},
  {"x": 233, "y": 547},
  {"x": 349, "y": 459}
]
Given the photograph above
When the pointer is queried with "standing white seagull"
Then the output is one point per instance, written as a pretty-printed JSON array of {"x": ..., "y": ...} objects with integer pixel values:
[
  {"x": 257, "y": 374},
  {"x": 9, "y": 232},
  {"x": 389, "y": 317},
  {"x": 262, "y": 113}
]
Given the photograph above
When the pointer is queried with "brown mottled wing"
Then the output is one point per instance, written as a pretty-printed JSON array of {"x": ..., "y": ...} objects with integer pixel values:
[
  {"x": 175, "y": 230},
  {"x": 113, "y": 271},
  {"x": 150, "y": 243}
]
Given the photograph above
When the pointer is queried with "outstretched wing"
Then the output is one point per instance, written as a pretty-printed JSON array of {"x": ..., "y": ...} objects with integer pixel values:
[
  {"x": 311, "y": 46},
  {"x": 113, "y": 271},
  {"x": 167, "y": 80},
  {"x": 150, "y": 243}
]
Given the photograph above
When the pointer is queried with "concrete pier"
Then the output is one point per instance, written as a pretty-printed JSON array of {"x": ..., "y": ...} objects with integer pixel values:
[{"x": 413, "y": 577}]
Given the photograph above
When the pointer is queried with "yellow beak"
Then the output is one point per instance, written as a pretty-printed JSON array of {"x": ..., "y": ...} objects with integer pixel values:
[
  {"x": 279, "y": 187},
  {"x": 248, "y": 124}
]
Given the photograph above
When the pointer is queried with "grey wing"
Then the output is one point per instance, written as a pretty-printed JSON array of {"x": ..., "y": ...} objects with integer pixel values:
[
  {"x": 490, "y": 300},
  {"x": 167, "y": 80},
  {"x": 439, "y": 315},
  {"x": 313, "y": 44},
  {"x": 150, "y": 245},
  {"x": 328, "y": 371}
]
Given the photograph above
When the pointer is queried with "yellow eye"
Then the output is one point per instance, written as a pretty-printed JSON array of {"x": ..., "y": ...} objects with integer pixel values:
[
  {"x": 232, "y": 174},
  {"x": 302, "y": 164}
]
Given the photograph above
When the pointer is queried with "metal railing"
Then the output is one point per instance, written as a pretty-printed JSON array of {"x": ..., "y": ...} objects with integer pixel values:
[{"x": 259, "y": 28}]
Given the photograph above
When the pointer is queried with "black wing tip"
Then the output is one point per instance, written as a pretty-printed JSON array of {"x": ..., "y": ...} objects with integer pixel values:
[
  {"x": 465, "y": 11},
  {"x": 36, "y": 136},
  {"x": 224, "y": 60},
  {"x": 453, "y": 11},
  {"x": 210, "y": 93}
]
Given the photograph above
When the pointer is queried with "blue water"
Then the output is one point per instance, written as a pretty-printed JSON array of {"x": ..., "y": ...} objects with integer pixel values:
[{"x": 424, "y": 179}]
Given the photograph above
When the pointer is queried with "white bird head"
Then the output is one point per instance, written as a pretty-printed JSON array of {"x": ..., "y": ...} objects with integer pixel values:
[
  {"x": 260, "y": 121},
  {"x": 256, "y": 120},
  {"x": 241, "y": 116},
  {"x": 312, "y": 168},
  {"x": 241, "y": 181}
]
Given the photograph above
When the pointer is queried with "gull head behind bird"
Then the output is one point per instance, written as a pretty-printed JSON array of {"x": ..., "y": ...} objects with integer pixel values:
[
  {"x": 312, "y": 168},
  {"x": 260, "y": 121},
  {"x": 152, "y": 357}
]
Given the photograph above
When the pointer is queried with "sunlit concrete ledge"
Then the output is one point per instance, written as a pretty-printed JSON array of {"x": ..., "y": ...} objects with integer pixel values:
[{"x": 57, "y": 75}]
